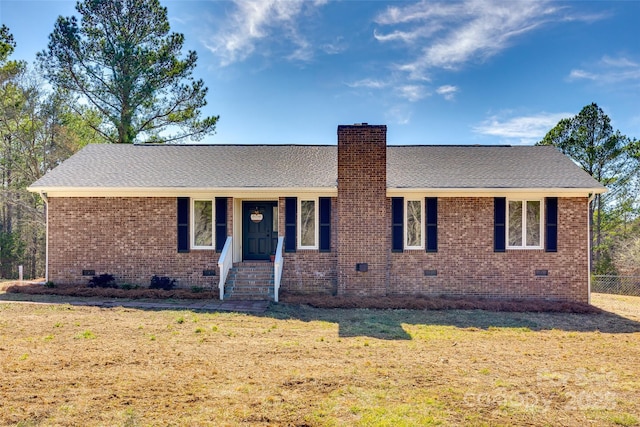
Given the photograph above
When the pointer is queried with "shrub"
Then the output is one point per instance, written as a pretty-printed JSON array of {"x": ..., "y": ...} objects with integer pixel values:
[
  {"x": 49, "y": 284},
  {"x": 197, "y": 289},
  {"x": 129, "y": 286},
  {"x": 103, "y": 281},
  {"x": 161, "y": 282}
]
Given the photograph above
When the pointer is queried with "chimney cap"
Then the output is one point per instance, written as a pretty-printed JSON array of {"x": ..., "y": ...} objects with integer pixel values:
[{"x": 361, "y": 124}]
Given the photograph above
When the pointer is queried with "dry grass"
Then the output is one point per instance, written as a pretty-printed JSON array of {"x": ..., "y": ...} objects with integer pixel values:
[{"x": 300, "y": 365}]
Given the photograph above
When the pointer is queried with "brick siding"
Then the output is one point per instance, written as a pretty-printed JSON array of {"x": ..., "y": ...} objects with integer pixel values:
[
  {"x": 467, "y": 265},
  {"x": 363, "y": 212},
  {"x": 131, "y": 238},
  {"x": 310, "y": 271}
]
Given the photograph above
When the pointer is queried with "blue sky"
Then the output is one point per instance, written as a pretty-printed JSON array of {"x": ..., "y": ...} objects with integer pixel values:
[{"x": 435, "y": 72}]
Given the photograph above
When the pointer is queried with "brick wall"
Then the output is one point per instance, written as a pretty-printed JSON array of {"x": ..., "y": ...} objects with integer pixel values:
[
  {"x": 135, "y": 238},
  {"x": 363, "y": 210},
  {"x": 310, "y": 271},
  {"x": 131, "y": 238},
  {"x": 467, "y": 265}
]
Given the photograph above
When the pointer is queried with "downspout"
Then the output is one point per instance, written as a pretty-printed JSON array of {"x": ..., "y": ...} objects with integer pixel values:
[
  {"x": 589, "y": 200},
  {"x": 44, "y": 197}
]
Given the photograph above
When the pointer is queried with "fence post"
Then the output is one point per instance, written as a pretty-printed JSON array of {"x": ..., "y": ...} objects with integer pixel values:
[{"x": 20, "y": 273}]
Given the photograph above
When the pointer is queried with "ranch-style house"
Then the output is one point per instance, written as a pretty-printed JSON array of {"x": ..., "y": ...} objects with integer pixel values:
[{"x": 358, "y": 218}]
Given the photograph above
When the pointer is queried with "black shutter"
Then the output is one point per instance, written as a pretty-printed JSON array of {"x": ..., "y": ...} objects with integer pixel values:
[
  {"x": 221, "y": 223},
  {"x": 551, "y": 225},
  {"x": 290, "y": 223},
  {"x": 325, "y": 224},
  {"x": 183, "y": 224},
  {"x": 431, "y": 205},
  {"x": 397, "y": 224},
  {"x": 499, "y": 224}
]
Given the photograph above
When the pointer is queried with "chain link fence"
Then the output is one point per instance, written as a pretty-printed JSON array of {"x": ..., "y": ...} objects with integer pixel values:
[{"x": 621, "y": 285}]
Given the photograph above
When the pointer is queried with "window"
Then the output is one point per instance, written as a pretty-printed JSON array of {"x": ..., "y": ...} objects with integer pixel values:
[
  {"x": 524, "y": 224},
  {"x": 414, "y": 224},
  {"x": 202, "y": 224},
  {"x": 308, "y": 229}
]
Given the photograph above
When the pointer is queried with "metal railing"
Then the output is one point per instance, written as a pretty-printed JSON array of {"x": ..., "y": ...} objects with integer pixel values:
[
  {"x": 225, "y": 262},
  {"x": 621, "y": 285},
  {"x": 278, "y": 265}
]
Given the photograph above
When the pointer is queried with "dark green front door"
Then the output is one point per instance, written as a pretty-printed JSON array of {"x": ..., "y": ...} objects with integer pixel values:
[{"x": 259, "y": 230}]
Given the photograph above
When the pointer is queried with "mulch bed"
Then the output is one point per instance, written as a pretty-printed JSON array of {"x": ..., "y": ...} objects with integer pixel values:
[
  {"x": 84, "y": 291},
  {"x": 439, "y": 303},
  {"x": 323, "y": 301}
]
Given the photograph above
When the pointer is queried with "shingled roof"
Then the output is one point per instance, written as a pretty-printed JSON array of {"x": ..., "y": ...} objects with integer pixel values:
[{"x": 118, "y": 166}]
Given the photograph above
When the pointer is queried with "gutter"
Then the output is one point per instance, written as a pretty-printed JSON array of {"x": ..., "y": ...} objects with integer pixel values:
[{"x": 44, "y": 197}]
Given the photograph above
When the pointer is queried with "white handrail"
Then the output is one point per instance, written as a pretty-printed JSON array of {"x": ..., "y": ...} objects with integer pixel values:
[
  {"x": 225, "y": 262},
  {"x": 277, "y": 268}
]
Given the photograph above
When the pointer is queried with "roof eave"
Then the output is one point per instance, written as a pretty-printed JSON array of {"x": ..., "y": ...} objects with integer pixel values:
[
  {"x": 498, "y": 191},
  {"x": 178, "y": 191}
]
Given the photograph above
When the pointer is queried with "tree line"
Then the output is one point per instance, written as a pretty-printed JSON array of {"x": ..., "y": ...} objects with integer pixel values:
[
  {"x": 118, "y": 76},
  {"x": 614, "y": 160}
]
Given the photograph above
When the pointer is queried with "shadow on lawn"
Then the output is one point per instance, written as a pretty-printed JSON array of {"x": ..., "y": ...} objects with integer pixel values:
[
  {"x": 388, "y": 323},
  {"x": 386, "y": 320}
]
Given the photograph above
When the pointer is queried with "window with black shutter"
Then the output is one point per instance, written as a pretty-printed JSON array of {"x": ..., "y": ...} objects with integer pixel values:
[
  {"x": 221, "y": 223},
  {"x": 183, "y": 224},
  {"x": 499, "y": 224},
  {"x": 290, "y": 222},
  {"x": 551, "y": 227},
  {"x": 431, "y": 206},
  {"x": 325, "y": 224},
  {"x": 397, "y": 224}
]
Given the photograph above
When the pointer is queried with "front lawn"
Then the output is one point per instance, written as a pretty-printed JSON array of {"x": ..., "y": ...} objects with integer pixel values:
[{"x": 297, "y": 365}]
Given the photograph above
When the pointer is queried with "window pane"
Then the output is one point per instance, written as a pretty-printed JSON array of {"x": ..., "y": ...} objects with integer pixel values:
[
  {"x": 414, "y": 222},
  {"x": 203, "y": 223},
  {"x": 515, "y": 223},
  {"x": 307, "y": 223},
  {"x": 533, "y": 223}
]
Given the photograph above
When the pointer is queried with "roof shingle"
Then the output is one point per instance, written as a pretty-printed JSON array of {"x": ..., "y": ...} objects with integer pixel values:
[{"x": 311, "y": 166}]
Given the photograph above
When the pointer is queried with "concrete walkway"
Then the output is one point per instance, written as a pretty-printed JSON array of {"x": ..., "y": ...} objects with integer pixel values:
[{"x": 204, "y": 305}]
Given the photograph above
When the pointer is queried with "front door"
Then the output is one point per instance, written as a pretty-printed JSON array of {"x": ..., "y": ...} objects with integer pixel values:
[{"x": 260, "y": 230}]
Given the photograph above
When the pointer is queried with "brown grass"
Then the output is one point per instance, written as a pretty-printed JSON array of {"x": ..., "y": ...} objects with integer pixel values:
[{"x": 301, "y": 365}]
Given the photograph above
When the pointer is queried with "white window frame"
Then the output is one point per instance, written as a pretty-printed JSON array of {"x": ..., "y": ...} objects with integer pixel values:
[
  {"x": 193, "y": 223},
  {"x": 524, "y": 224},
  {"x": 316, "y": 219},
  {"x": 406, "y": 221}
]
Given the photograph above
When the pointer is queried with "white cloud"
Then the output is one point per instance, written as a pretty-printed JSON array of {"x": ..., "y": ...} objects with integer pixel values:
[
  {"x": 335, "y": 47},
  {"x": 412, "y": 93},
  {"x": 582, "y": 74},
  {"x": 610, "y": 70},
  {"x": 251, "y": 21},
  {"x": 524, "y": 129},
  {"x": 368, "y": 83},
  {"x": 448, "y": 92},
  {"x": 399, "y": 115},
  {"x": 455, "y": 33}
]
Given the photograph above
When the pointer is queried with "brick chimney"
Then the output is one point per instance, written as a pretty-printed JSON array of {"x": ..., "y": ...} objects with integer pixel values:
[{"x": 364, "y": 225}]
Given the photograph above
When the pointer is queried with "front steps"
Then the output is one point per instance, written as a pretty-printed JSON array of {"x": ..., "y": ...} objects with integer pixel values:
[{"x": 250, "y": 281}]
